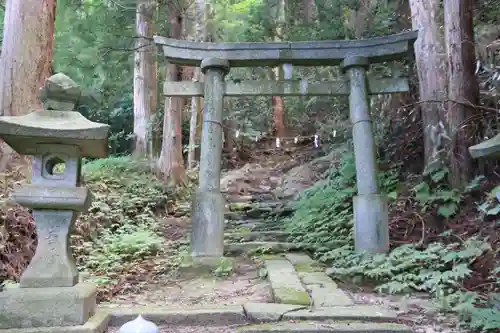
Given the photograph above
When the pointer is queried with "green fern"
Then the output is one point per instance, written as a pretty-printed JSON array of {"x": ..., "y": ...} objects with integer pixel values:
[{"x": 324, "y": 219}]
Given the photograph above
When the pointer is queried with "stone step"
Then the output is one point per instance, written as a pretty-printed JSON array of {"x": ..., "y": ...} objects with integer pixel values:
[
  {"x": 268, "y": 226},
  {"x": 323, "y": 290},
  {"x": 240, "y": 206},
  {"x": 246, "y": 223},
  {"x": 244, "y": 210},
  {"x": 285, "y": 283},
  {"x": 241, "y": 248},
  {"x": 245, "y": 226},
  {"x": 364, "y": 313},
  {"x": 276, "y": 236},
  {"x": 325, "y": 327},
  {"x": 272, "y": 312},
  {"x": 234, "y": 216}
]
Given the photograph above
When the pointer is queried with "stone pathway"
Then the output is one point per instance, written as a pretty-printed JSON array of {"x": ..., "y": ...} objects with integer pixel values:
[{"x": 305, "y": 298}]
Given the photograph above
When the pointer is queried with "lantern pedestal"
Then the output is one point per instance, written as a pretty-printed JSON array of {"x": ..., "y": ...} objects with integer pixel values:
[
  {"x": 49, "y": 297},
  {"x": 47, "y": 307}
]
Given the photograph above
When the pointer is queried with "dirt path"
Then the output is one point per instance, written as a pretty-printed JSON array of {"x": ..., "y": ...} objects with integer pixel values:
[{"x": 186, "y": 290}]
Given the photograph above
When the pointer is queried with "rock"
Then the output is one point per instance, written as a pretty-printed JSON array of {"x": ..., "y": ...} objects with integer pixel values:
[
  {"x": 354, "y": 313},
  {"x": 268, "y": 312},
  {"x": 304, "y": 176},
  {"x": 323, "y": 290},
  {"x": 234, "y": 216},
  {"x": 248, "y": 179},
  {"x": 243, "y": 225},
  {"x": 240, "y": 248},
  {"x": 316, "y": 278},
  {"x": 257, "y": 236},
  {"x": 313, "y": 327},
  {"x": 285, "y": 283},
  {"x": 261, "y": 197},
  {"x": 299, "y": 258},
  {"x": 258, "y": 212},
  {"x": 239, "y": 198},
  {"x": 240, "y": 206},
  {"x": 329, "y": 295}
]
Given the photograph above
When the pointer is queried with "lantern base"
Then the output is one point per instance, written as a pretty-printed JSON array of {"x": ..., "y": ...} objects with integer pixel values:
[{"x": 37, "y": 308}]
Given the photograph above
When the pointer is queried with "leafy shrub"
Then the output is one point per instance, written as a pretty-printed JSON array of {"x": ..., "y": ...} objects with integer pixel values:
[
  {"x": 127, "y": 243},
  {"x": 323, "y": 214},
  {"x": 324, "y": 220},
  {"x": 121, "y": 226},
  {"x": 439, "y": 269}
]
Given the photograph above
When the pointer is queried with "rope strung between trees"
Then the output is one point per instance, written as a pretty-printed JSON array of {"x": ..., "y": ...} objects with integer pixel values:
[{"x": 278, "y": 140}]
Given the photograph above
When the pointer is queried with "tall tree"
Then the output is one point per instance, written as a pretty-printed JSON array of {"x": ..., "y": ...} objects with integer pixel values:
[
  {"x": 144, "y": 78},
  {"x": 463, "y": 90},
  {"x": 201, "y": 35},
  {"x": 26, "y": 58},
  {"x": 360, "y": 20},
  {"x": 170, "y": 162},
  {"x": 277, "y": 101},
  {"x": 431, "y": 70},
  {"x": 308, "y": 11}
]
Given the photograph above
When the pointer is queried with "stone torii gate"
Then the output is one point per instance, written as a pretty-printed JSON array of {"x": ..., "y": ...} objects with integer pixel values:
[{"x": 355, "y": 57}]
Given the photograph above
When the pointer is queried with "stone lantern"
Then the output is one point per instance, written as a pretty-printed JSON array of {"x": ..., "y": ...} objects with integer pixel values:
[
  {"x": 487, "y": 149},
  {"x": 49, "y": 293}
]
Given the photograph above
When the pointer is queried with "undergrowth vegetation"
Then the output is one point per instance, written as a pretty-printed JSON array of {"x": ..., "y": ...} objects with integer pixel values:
[
  {"x": 461, "y": 271},
  {"x": 120, "y": 239},
  {"x": 121, "y": 230}
]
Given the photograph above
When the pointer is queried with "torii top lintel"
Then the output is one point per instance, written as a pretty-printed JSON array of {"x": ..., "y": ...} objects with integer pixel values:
[{"x": 315, "y": 53}]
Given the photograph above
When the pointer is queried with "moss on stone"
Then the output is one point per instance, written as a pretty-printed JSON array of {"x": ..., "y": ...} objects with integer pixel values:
[
  {"x": 241, "y": 230},
  {"x": 202, "y": 267},
  {"x": 291, "y": 296},
  {"x": 239, "y": 206},
  {"x": 308, "y": 268},
  {"x": 270, "y": 257}
]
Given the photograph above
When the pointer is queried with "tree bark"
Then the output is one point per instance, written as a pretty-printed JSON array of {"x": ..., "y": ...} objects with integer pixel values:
[
  {"x": 308, "y": 11},
  {"x": 171, "y": 163},
  {"x": 363, "y": 17},
  {"x": 463, "y": 90},
  {"x": 196, "y": 107},
  {"x": 431, "y": 70},
  {"x": 144, "y": 79},
  {"x": 201, "y": 34},
  {"x": 26, "y": 59},
  {"x": 277, "y": 101}
]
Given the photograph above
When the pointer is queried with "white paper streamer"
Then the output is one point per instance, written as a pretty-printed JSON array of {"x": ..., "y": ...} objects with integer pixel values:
[
  {"x": 316, "y": 141},
  {"x": 277, "y": 142}
]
